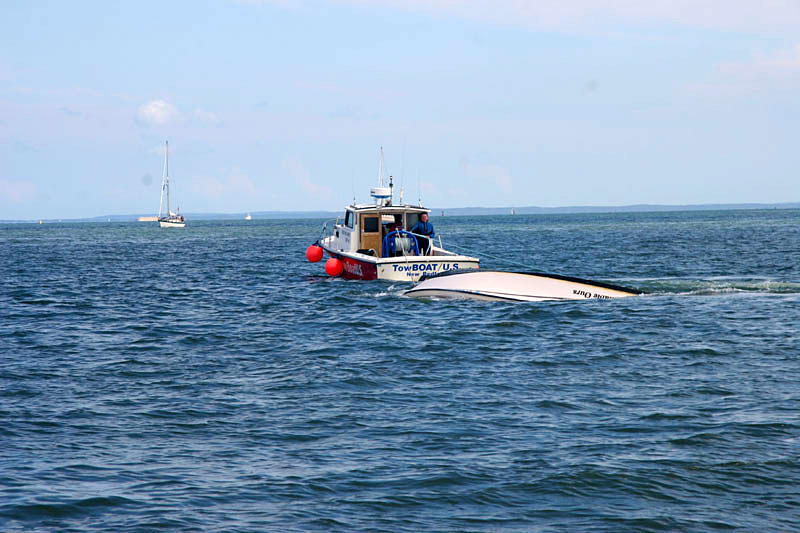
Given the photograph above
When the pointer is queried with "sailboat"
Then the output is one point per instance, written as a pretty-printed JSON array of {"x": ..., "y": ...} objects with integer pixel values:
[
  {"x": 171, "y": 219},
  {"x": 248, "y": 217}
]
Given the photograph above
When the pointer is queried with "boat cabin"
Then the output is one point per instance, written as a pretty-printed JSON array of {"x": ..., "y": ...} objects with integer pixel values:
[
  {"x": 366, "y": 228},
  {"x": 375, "y": 241}
]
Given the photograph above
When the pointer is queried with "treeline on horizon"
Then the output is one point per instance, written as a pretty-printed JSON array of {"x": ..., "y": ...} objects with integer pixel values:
[{"x": 435, "y": 212}]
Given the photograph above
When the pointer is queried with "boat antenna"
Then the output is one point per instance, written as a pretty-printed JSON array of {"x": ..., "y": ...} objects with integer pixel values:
[
  {"x": 381, "y": 194},
  {"x": 419, "y": 191},
  {"x": 380, "y": 169},
  {"x": 402, "y": 170}
]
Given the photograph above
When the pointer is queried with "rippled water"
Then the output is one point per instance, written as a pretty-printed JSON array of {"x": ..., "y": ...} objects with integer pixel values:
[{"x": 210, "y": 379}]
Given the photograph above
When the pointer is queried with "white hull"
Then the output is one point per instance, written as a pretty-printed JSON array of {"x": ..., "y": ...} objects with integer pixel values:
[
  {"x": 171, "y": 224},
  {"x": 414, "y": 268},
  {"x": 405, "y": 268},
  {"x": 515, "y": 286}
]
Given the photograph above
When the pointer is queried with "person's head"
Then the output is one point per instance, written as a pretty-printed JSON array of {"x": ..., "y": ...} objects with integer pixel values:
[{"x": 424, "y": 217}]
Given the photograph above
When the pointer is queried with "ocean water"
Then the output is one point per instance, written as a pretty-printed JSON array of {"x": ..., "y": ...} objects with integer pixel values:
[{"x": 211, "y": 379}]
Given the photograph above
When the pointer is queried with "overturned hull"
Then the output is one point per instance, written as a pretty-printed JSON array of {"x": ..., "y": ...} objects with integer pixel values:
[{"x": 515, "y": 286}]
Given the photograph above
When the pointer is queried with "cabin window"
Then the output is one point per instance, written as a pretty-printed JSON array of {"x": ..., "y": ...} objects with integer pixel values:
[
  {"x": 371, "y": 225},
  {"x": 349, "y": 218},
  {"x": 412, "y": 218}
]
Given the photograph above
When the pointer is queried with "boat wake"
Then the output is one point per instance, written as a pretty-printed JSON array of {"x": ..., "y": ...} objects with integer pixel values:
[
  {"x": 393, "y": 290},
  {"x": 533, "y": 287},
  {"x": 715, "y": 286}
]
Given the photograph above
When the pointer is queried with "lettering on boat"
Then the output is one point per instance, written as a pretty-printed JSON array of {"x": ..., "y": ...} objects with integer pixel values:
[
  {"x": 588, "y": 294},
  {"x": 353, "y": 268},
  {"x": 423, "y": 267}
]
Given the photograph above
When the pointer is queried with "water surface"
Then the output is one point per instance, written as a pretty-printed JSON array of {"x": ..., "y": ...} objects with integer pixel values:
[{"x": 210, "y": 379}]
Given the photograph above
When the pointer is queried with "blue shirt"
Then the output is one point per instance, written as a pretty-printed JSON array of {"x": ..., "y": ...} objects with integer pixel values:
[{"x": 423, "y": 228}]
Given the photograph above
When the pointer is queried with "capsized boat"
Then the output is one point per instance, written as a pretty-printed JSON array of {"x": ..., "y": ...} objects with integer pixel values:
[
  {"x": 166, "y": 217},
  {"x": 372, "y": 242},
  {"x": 515, "y": 287}
]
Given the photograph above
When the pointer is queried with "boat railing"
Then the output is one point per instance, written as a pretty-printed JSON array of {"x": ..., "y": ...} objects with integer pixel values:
[
  {"x": 428, "y": 237},
  {"x": 328, "y": 228}
]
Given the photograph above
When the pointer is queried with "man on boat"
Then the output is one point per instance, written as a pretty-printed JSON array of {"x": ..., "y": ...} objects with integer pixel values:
[{"x": 424, "y": 232}]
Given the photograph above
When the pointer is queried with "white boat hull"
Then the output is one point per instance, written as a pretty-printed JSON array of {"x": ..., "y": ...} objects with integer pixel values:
[
  {"x": 405, "y": 268},
  {"x": 171, "y": 224},
  {"x": 515, "y": 286}
]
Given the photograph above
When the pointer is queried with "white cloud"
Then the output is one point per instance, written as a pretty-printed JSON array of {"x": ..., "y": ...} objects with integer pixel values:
[
  {"x": 234, "y": 189},
  {"x": 762, "y": 73},
  {"x": 298, "y": 172},
  {"x": 781, "y": 64},
  {"x": 577, "y": 15},
  {"x": 205, "y": 117},
  {"x": 240, "y": 183},
  {"x": 428, "y": 188},
  {"x": 156, "y": 112},
  {"x": 17, "y": 192},
  {"x": 209, "y": 186},
  {"x": 494, "y": 173}
]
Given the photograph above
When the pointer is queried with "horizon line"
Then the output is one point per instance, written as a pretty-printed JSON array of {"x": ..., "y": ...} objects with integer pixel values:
[{"x": 476, "y": 211}]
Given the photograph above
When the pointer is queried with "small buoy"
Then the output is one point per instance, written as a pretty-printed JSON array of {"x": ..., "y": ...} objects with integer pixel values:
[
  {"x": 313, "y": 253},
  {"x": 334, "y": 267}
]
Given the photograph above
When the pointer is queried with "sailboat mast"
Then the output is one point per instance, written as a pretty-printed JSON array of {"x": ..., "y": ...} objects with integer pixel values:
[
  {"x": 165, "y": 183},
  {"x": 166, "y": 173}
]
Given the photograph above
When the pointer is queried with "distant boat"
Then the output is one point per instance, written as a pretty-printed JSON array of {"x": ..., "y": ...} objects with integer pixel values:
[
  {"x": 513, "y": 212},
  {"x": 167, "y": 218},
  {"x": 248, "y": 217}
]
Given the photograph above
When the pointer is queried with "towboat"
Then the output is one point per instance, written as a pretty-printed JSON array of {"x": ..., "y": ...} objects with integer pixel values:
[
  {"x": 515, "y": 287},
  {"x": 373, "y": 242}
]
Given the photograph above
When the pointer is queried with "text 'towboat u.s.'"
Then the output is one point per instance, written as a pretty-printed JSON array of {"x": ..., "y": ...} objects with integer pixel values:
[{"x": 373, "y": 242}]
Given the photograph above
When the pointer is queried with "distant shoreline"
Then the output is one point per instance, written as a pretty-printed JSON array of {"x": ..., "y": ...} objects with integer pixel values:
[{"x": 437, "y": 212}]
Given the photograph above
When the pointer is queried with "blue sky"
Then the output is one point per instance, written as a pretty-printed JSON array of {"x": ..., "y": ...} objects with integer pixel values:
[{"x": 282, "y": 105}]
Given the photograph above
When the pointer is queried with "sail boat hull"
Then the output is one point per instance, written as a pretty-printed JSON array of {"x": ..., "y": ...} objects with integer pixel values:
[{"x": 172, "y": 223}]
